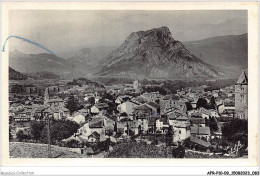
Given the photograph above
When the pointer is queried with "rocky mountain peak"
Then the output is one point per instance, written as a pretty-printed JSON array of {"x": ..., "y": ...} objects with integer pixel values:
[{"x": 154, "y": 54}]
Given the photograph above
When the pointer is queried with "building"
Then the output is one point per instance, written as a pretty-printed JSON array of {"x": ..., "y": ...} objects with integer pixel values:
[
  {"x": 57, "y": 102},
  {"x": 200, "y": 132},
  {"x": 127, "y": 107},
  {"x": 99, "y": 108},
  {"x": 181, "y": 130},
  {"x": 241, "y": 96},
  {"x": 136, "y": 85},
  {"x": 200, "y": 122}
]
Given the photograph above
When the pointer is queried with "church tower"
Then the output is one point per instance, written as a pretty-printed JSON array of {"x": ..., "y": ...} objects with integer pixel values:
[
  {"x": 46, "y": 96},
  {"x": 241, "y": 96}
]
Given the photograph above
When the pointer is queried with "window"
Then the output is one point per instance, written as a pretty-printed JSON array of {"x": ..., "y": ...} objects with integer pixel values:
[{"x": 179, "y": 131}]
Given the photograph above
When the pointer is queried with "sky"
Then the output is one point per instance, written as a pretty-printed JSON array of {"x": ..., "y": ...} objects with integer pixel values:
[{"x": 68, "y": 30}]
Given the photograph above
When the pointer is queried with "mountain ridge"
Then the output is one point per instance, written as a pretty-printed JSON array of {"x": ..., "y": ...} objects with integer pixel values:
[{"x": 157, "y": 53}]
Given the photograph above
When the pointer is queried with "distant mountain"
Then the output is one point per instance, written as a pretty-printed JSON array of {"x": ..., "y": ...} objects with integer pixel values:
[
  {"x": 228, "y": 54},
  {"x": 29, "y": 63},
  {"x": 154, "y": 54},
  {"x": 83, "y": 62},
  {"x": 103, "y": 51},
  {"x": 100, "y": 51},
  {"x": 15, "y": 75},
  {"x": 43, "y": 75}
]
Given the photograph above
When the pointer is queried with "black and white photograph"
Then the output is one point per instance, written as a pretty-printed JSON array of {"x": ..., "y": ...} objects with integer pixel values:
[{"x": 129, "y": 84}]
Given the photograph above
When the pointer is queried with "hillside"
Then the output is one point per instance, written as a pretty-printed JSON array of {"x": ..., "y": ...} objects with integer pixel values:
[
  {"x": 15, "y": 75},
  {"x": 34, "y": 150},
  {"x": 154, "y": 54},
  {"x": 228, "y": 54},
  {"x": 83, "y": 62},
  {"x": 43, "y": 75},
  {"x": 30, "y": 63}
]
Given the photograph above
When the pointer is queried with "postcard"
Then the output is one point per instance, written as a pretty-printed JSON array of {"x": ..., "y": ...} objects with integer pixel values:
[{"x": 129, "y": 84}]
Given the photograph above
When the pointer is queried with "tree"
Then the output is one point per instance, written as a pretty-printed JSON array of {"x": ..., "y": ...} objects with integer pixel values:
[
  {"x": 213, "y": 125},
  {"x": 10, "y": 134},
  {"x": 206, "y": 121},
  {"x": 72, "y": 104},
  {"x": 189, "y": 106},
  {"x": 178, "y": 152},
  {"x": 202, "y": 102},
  {"x": 139, "y": 129},
  {"x": 36, "y": 128},
  {"x": 169, "y": 135},
  {"x": 72, "y": 143},
  {"x": 236, "y": 130},
  {"x": 110, "y": 132},
  {"x": 212, "y": 103},
  {"x": 59, "y": 130},
  {"x": 20, "y": 135},
  {"x": 115, "y": 127}
]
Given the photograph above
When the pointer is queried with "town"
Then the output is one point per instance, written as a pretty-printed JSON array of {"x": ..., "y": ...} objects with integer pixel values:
[{"x": 94, "y": 120}]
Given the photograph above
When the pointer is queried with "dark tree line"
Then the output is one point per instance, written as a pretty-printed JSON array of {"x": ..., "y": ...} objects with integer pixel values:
[
  {"x": 236, "y": 130},
  {"x": 59, "y": 130}
]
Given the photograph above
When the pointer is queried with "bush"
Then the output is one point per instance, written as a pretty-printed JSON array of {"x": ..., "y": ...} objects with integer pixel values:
[
  {"x": 72, "y": 143},
  {"x": 21, "y": 136},
  {"x": 178, "y": 152}
]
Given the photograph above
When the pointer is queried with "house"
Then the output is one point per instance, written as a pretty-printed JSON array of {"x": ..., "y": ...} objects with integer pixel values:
[
  {"x": 194, "y": 113},
  {"x": 121, "y": 99},
  {"x": 142, "y": 112},
  {"x": 201, "y": 143},
  {"x": 181, "y": 130},
  {"x": 200, "y": 132},
  {"x": 78, "y": 118},
  {"x": 94, "y": 137},
  {"x": 24, "y": 116},
  {"x": 97, "y": 124},
  {"x": 152, "y": 124},
  {"x": 56, "y": 102},
  {"x": 127, "y": 107},
  {"x": 99, "y": 108},
  {"x": 154, "y": 106},
  {"x": 121, "y": 127},
  {"x": 200, "y": 122},
  {"x": 229, "y": 104},
  {"x": 151, "y": 96},
  {"x": 218, "y": 133},
  {"x": 122, "y": 116},
  {"x": 98, "y": 99},
  {"x": 219, "y": 106},
  {"x": 205, "y": 113},
  {"x": 168, "y": 103},
  {"x": 134, "y": 126},
  {"x": 194, "y": 104},
  {"x": 162, "y": 124},
  {"x": 84, "y": 112},
  {"x": 60, "y": 112},
  {"x": 139, "y": 100}
]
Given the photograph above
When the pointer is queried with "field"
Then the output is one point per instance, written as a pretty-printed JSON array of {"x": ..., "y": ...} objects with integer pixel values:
[{"x": 30, "y": 150}]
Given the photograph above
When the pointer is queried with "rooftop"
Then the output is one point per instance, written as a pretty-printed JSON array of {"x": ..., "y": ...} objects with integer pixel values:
[
  {"x": 242, "y": 78},
  {"x": 200, "y": 130}
]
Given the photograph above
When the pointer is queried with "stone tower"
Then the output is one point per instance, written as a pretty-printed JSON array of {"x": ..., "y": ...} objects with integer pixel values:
[
  {"x": 136, "y": 84},
  {"x": 46, "y": 96},
  {"x": 241, "y": 96}
]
